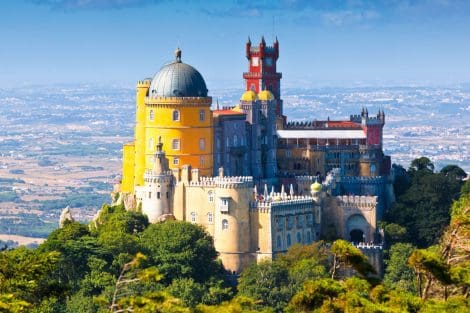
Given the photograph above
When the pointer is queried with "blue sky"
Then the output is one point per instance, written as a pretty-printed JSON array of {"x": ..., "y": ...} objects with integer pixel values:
[{"x": 321, "y": 41}]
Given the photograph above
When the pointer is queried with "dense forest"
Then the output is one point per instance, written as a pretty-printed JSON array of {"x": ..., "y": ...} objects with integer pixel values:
[{"x": 121, "y": 263}]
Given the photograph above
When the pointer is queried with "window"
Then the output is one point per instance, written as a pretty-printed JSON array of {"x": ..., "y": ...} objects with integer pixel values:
[
  {"x": 151, "y": 115},
  {"x": 150, "y": 195},
  {"x": 223, "y": 205},
  {"x": 176, "y": 161},
  {"x": 299, "y": 238},
  {"x": 290, "y": 222},
  {"x": 202, "y": 144},
  {"x": 279, "y": 241},
  {"x": 309, "y": 219},
  {"x": 210, "y": 196},
  {"x": 288, "y": 153},
  {"x": 201, "y": 161},
  {"x": 175, "y": 144},
  {"x": 372, "y": 169},
  {"x": 224, "y": 224},
  {"x": 309, "y": 237},
  {"x": 150, "y": 143},
  {"x": 176, "y": 115},
  {"x": 193, "y": 217},
  {"x": 202, "y": 115},
  {"x": 280, "y": 224},
  {"x": 228, "y": 142},
  {"x": 158, "y": 194},
  {"x": 235, "y": 140},
  {"x": 217, "y": 143},
  {"x": 289, "y": 242},
  {"x": 210, "y": 218},
  {"x": 300, "y": 221}
]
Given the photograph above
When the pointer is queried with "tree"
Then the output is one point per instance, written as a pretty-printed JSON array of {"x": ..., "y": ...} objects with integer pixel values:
[
  {"x": 428, "y": 266},
  {"x": 397, "y": 273},
  {"x": 314, "y": 295},
  {"x": 345, "y": 256},
  {"x": 421, "y": 164},
  {"x": 454, "y": 172},
  {"x": 181, "y": 250},
  {"x": 267, "y": 283}
]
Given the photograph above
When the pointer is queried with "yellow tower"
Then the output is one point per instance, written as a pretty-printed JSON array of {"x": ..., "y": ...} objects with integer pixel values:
[{"x": 173, "y": 107}]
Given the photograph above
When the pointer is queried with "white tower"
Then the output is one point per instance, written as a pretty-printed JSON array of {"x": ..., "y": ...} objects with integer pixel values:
[{"x": 158, "y": 189}]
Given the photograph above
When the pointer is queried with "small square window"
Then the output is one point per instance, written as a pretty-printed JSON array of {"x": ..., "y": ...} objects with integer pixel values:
[
  {"x": 176, "y": 161},
  {"x": 202, "y": 115}
]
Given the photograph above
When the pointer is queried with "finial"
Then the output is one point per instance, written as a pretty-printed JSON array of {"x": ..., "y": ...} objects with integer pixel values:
[
  {"x": 178, "y": 55},
  {"x": 249, "y": 40},
  {"x": 276, "y": 41},
  {"x": 262, "y": 40},
  {"x": 217, "y": 103},
  {"x": 159, "y": 145}
]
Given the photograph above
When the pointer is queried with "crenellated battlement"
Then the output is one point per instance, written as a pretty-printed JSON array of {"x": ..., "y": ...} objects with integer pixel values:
[
  {"x": 151, "y": 177},
  {"x": 364, "y": 179},
  {"x": 273, "y": 203},
  {"x": 305, "y": 179},
  {"x": 357, "y": 201},
  {"x": 184, "y": 101},
  {"x": 224, "y": 182},
  {"x": 144, "y": 83}
]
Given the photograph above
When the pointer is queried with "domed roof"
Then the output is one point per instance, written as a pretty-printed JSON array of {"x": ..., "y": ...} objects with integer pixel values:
[
  {"x": 178, "y": 79},
  {"x": 265, "y": 95},
  {"x": 249, "y": 95},
  {"x": 316, "y": 187}
]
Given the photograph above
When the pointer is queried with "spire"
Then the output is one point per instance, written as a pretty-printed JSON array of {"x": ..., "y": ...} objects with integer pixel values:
[
  {"x": 263, "y": 42},
  {"x": 283, "y": 192},
  {"x": 217, "y": 103},
  {"x": 178, "y": 55},
  {"x": 249, "y": 41},
  {"x": 265, "y": 193},
  {"x": 291, "y": 190}
]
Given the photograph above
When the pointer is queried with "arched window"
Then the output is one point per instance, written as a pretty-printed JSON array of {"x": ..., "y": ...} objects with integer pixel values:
[
  {"x": 309, "y": 237},
  {"x": 228, "y": 142},
  {"x": 202, "y": 115},
  {"x": 201, "y": 160},
  {"x": 176, "y": 161},
  {"x": 224, "y": 224},
  {"x": 279, "y": 241},
  {"x": 151, "y": 115},
  {"x": 193, "y": 217},
  {"x": 235, "y": 140},
  {"x": 210, "y": 217},
  {"x": 176, "y": 115},
  {"x": 289, "y": 242},
  {"x": 210, "y": 196},
  {"x": 299, "y": 238},
  {"x": 202, "y": 144}
]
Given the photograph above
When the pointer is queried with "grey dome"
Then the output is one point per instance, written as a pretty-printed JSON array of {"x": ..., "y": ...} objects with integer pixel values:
[{"x": 178, "y": 79}]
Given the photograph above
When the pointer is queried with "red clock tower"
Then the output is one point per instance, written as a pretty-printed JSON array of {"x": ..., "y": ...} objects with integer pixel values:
[{"x": 262, "y": 73}]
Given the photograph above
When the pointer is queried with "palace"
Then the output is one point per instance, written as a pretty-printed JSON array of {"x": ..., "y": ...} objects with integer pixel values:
[{"x": 255, "y": 181}]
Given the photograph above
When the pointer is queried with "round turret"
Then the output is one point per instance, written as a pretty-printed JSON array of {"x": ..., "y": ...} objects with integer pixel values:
[
  {"x": 178, "y": 79},
  {"x": 265, "y": 95},
  {"x": 249, "y": 95}
]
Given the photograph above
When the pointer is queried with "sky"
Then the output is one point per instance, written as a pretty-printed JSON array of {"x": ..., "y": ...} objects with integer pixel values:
[{"x": 322, "y": 42}]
